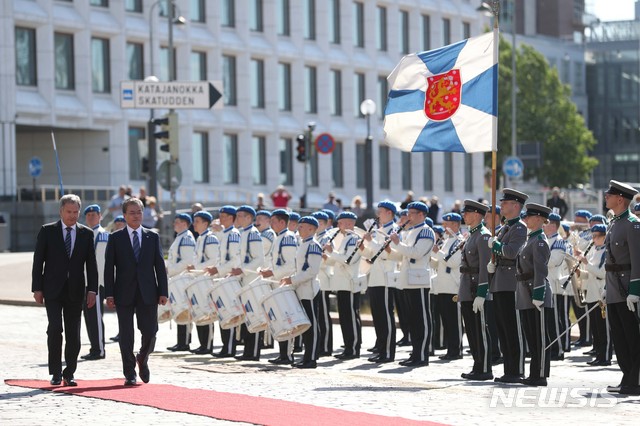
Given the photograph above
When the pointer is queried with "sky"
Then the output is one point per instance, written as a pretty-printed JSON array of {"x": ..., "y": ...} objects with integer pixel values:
[{"x": 611, "y": 10}]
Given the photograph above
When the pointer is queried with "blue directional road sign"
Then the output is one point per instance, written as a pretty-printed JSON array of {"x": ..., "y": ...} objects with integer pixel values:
[
  {"x": 513, "y": 167},
  {"x": 35, "y": 167}
]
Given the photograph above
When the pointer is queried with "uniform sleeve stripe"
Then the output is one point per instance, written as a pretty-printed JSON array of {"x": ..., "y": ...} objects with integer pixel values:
[{"x": 187, "y": 242}]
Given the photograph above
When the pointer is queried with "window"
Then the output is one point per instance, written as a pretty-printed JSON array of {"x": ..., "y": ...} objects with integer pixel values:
[
  {"x": 466, "y": 30},
  {"x": 100, "y": 65},
  {"x": 257, "y": 83},
  {"x": 404, "y": 32},
  {"x": 310, "y": 19},
  {"x": 427, "y": 170},
  {"x": 358, "y": 93},
  {"x": 426, "y": 32},
  {"x": 361, "y": 159},
  {"x": 383, "y": 94},
  {"x": 256, "y": 16},
  {"x": 335, "y": 93},
  {"x": 468, "y": 173},
  {"x": 136, "y": 140},
  {"x": 448, "y": 172},
  {"x": 566, "y": 70},
  {"x": 198, "y": 66},
  {"x": 311, "y": 95},
  {"x": 284, "y": 77},
  {"x": 334, "y": 21},
  {"x": 337, "y": 169},
  {"x": 284, "y": 20},
  {"x": 230, "y": 159},
  {"x": 229, "y": 80},
  {"x": 64, "y": 65},
  {"x": 381, "y": 25},
  {"x": 228, "y": 15},
  {"x": 286, "y": 161},
  {"x": 200, "y": 151},
  {"x": 133, "y": 6},
  {"x": 446, "y": 31},
  {"x": 358, "y": 24},
  {"x": 384, "y": 167},
  {"x": 26, "y": 69},
  {"x": 135, "y": 61},
  {"x": 258, "y": 157},
  {"x": 578, "y": 79},
  {"x": 197, "y": 11},
  {"x": 164, "y": 63},
  {"x": 406, "y": 170},
  {"x": 101, "y": 3}
]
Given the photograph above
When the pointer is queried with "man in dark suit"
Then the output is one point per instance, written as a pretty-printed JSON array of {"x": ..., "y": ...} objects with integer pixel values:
[
  {"x": 135, "y": 281},
  {"x": 63, "y": 250}
]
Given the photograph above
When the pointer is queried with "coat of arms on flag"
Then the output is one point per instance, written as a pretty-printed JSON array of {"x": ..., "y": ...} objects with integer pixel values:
[{"x": 445, "y": 99}]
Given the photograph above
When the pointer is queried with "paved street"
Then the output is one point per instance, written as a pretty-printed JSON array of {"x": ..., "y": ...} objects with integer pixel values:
[{"x": 434, "y": 393}]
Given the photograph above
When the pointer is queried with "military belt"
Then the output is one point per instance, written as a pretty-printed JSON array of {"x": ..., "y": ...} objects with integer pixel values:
[
  {"x": 506, "y": 262},
  {"x": 524, "y": 277},
  {"x": 613, "y": 267},
  {"x": 469, "y": 270}
]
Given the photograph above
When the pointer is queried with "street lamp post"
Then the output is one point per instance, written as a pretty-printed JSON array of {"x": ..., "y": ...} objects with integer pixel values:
[
  {"x": 308, "y": 141},
  {"x": 368, "y": 108}
]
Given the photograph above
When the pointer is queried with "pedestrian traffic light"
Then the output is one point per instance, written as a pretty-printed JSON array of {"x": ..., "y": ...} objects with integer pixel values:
[
  {"x": 168, "y": 134},
  {"x": 301, "y": 148}
]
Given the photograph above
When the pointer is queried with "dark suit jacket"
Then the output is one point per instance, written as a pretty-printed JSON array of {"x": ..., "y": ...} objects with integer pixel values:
[
  {"x": 149, "y": 273},
  {"x": 52, "y": 267}
]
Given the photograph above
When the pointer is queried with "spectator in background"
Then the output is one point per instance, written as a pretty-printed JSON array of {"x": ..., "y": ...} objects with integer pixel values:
[
  {"x": 407, "y": 200},
  {"x": 129, "y": 191},
  {"x": 260, "y": 202},
  {"x": 556, "y": 201},
  {"x": 356, "y": 205},
  {"x": 142, "y": 195},
  {"x": 331, "y": 203},
  {"x": 434, "y": 209},
  {"x": 280, "y": 197},
  {"x": 149, "y": 214},
  {"x": 115, "y": 205}
]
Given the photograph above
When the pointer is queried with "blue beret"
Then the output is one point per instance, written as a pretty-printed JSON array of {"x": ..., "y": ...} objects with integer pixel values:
[
  {"x": 439, "y": 229},
  {"x": 185, "y": 217},
  {"x": 330, "y": 213},
  {"x": 555, "y": 217},
  {"x": 263, "y": 213},
  {"x": 599, "y": 228},
  {"x": 204, "y": 215},
  {"x": 583, "y": 213},
  {"x": 498, "y": 209},
  {"x": 347, "y": 215},
  {"x": 388, "y": 205},
  {"x": 92, "y": 208},
  {"x": 418, "y": 205},
  {"x": 309, "y": 220},
  {"x": 429, "y": 221},
  {"x": 636, "y": 207},
  {"x": 566, "y": 227},
  {"x": 320, "y": 215},
  {"x": 403, "y": 212},
  {"x": 247, "y": 209},
  {"x": 294, "y": 216},
  {"x": 280, "y": 212},
  {"x": 119, "y": 218},
  {"x": 452, "y": 217},
  {"x": 228, "y": 210},
  {"x": 598, "y": 218}
]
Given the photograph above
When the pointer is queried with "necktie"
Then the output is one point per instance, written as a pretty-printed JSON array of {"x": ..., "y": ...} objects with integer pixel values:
[
  {"x": 136, "y": 245},
  {"x": 67, "y": 241}
]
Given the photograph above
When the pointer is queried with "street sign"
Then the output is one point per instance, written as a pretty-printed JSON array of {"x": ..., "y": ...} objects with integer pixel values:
[
  {"x": 35, "y": 167},
  {"x": 168, "y": 94},
  {"x": 169, "y": 175},
  {"x": 325, "y": 143},
  {"x": 513, "y": 167}
]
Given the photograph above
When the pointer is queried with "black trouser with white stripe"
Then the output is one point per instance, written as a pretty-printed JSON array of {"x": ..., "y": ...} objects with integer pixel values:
[
  {"x": 349, "y": 313},
  {"x": 184, "y": 334},
  {"x": 490, "y": 318},
  {"x": 451, "y": 323},
  {"x": 228, "y": 341},
  {"x": 310, "y": 337},
  {"x": 584, "y": 325},
  {"x": 437, "y": 339},
  {"x": 205, "y": 336},
  {"x": 602, "y": 342},
  {"x": 402, "y": 307},
  {"x": 252, "y": 342},
  {"x": 554, "y": 330},
  {"x": 509, "y": 332},
  {"x": 626, "y": 341},
  {"x": 476, "y": 327},
  {"x": 420, "y": 316},
  {"x": 564, "y": 305},
  {"x": 324, "y": 322},
  {"x": 95, "y": 323},
  {"x": 384, "y": 322},
  {"x": 533, "y": 323}
]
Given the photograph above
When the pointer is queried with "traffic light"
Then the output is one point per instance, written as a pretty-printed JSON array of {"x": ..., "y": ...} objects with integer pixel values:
[
  {"x": 168, "y": 134},
  {"x": 301, "y": 148}
]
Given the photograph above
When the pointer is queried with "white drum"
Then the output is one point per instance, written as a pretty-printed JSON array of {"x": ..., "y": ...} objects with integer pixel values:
[
  {"x": 164, "y": 312},
  {"x": 180, "y": 308},
  {"x": 250, "y": 296},
  {"x": 202, "y": 308},
  {"x": 225, "y": 299},
  {"x": 286, "y": 316}
]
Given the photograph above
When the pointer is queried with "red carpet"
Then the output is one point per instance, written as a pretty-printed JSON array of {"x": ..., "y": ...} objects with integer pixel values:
[{"x": 219, "y": 405}]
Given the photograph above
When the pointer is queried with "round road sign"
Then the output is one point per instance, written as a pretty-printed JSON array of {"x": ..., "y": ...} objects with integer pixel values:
[{"x": 325, "y": 143}]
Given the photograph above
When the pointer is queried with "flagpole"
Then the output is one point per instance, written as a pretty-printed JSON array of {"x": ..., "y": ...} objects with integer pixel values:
[{"x": 495, "y": 9}]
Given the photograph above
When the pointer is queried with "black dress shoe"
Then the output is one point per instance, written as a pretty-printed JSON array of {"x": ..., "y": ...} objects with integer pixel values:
[
  {"x": 130, "y": 382},
  {"x": 223, "y": 355},
  {"x": 143, "y": 369},
  {"x": 92, "y": 357},
  {"x": 201, "y": 351},
  {"x": 322, "y": 354},
  {"x": 373, "y": 358},
  {"x": 448, "y": 357},
  {"x": 373, "y": 350},
  {"x": 346, "y": 356},
  {"x": 629, "y": 390},
  {"x": 297, "y": 349},
  {"x": 69, "y": 381},
  {"x": 507, "y": 378},
  {"x": 403, "y": 342},
  {"x": 599, "y": 363},
  {"x": 281, "y": 361},
  {"x": 557, "y": 357},
  {"x": 56, "y": 379},
  {"x": 479, "y": 376},
  {"x": 465, "y": 375},
  {"x": 383, "y": 360},
  {"x": 416, "y": 363},
  {"x": 305, "y": 364},
  {"x": 540, "y": 381},
  {"x": 406, "y": 361},
  {"x": 247, "y": 358},
  {"x": 178, "y": 348},
  {"x": 614, "y": 389},
  {"x": 115, "y": 338},
  {"x": 591, "y": 352}
]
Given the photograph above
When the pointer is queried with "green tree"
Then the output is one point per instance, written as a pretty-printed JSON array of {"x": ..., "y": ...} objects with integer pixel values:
[{"x": 546, "y": 114}]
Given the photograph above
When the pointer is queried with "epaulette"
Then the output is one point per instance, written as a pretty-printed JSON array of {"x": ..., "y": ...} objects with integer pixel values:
[
  {"x": 211, "y": 239},
  {"x": 559, "y": 244},
  {"x": 254, "y": 236},
  {"x": 234, "y": 237},
  {"x": 352, "y": 241},
  {"x": 314, "y": 248},
  {"x": 268, "y": 235},
  {"x": 102, "y": 237},
  {"x": 187, "y": 241},
  {"x": 426, "y": 232},
  {"x": 289, "y": 240}
]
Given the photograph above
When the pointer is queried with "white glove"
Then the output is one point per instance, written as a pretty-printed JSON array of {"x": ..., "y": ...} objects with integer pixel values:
[
  {"x": 632, "y": 301},
  {"x": 478, "y": 304},
  {"x": 491, "y": 268},
  {"x": 603, "y": 295},
  {"x": 491, "y": 241},
  {"x": 538, "y": 304}
]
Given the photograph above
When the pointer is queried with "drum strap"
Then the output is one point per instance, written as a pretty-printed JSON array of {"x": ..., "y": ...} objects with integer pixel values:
[
  {"x": 280, "y": 260},
  {"x": 305, "y": 266}
]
